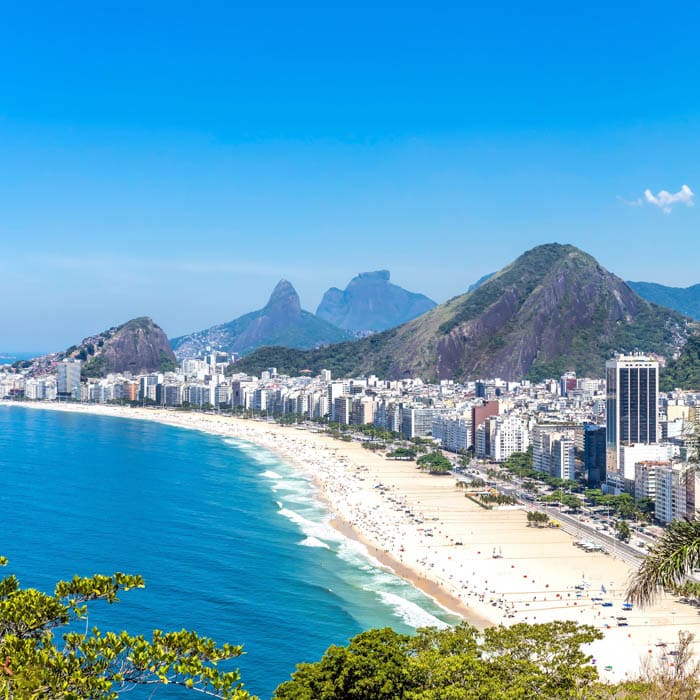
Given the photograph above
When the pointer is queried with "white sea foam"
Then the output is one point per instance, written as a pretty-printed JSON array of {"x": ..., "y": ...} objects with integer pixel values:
[
  {"x": 301, "y": 499},
  {"x": 411, "y": 613},
  {"x": 313, "y": 542},
  {"x": 357, "y": 555},
  {"x": 296, "y": 486},
  {"x": 320, "y": 530},
  {"x": 271, "y": 475},
  {"x": 260, "y": 454}
]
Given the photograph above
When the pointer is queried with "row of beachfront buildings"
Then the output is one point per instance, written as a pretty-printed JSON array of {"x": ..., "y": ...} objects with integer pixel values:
[{"x": 618, "y": 432}]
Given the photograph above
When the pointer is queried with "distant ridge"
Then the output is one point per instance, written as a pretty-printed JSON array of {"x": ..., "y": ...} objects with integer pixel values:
[
  {"x": 371, "y": 302},
  {"x": 686, "y": 300},
  {"x": 281, "y": 321},
  {"x": 480, "y": 281},
  {"x": 553, "y": 309}
]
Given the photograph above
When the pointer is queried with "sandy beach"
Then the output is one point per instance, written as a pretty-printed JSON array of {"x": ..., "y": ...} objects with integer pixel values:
[{"x": 424, "y": 529}]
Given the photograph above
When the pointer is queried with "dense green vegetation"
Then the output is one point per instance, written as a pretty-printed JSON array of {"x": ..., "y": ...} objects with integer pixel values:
[
  {"x": 520, "y": 464},
  {"x": 86, "y": 663},
  {"x": 536, "y": 518},
  {"x": 683, "y": 372},
  {"x": 435, "y": 463},
  {"x": 167, "y": 364},
  {"x": 623, "y": 505},
  {"x": 407, "y": 453},
  {"x": 95, "y": 367},
  {"x": 342, "y": 359},
  {"x": 521, "y": 661},
  {"x": 623, "y": 530},
  {"x": 501, "y": 663}
]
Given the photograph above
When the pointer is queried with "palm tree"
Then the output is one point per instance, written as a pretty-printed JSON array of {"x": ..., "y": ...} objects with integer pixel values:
[{"x": 675, "y": 555}]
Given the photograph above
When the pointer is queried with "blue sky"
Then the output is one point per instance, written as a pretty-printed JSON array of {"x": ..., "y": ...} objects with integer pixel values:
[{"x": 177, "y": 159}]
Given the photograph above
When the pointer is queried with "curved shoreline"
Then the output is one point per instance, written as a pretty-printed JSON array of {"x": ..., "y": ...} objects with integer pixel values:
[
  {"x": 485, "y": 566},
  {"x": 437, "y": 593}
]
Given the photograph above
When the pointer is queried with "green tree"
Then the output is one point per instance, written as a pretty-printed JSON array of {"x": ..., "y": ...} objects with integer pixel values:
[
  {"x": 372, "y": 667},
  {"x": 435, "y": 463},
  {"x": 461, "y": 663},
  {"x": 673, "y": 557},
  {"x": 623, "y": 530},
  {"x": 92, "y": 664}
]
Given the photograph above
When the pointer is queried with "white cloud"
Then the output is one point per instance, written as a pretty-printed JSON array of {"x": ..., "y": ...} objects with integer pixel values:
[
  {"x": 666, "y": 200},
  {"x": 631, "y": 202}
]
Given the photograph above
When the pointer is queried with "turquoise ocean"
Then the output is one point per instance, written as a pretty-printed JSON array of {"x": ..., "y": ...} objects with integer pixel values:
[{"x": 230, "y": 540}]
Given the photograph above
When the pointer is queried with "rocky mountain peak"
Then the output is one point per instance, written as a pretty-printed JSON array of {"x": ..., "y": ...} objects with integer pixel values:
[
  {"x": 371, "y": 303},
  {"x": 376, "y": 276},
  {"x": 284, "y": 298}
]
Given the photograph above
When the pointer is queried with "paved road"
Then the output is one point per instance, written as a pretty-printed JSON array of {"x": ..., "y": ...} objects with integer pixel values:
[{"x": 572, "y": 526}]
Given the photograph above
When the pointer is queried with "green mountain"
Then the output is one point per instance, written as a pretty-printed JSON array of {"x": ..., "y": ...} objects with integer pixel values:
[
  {"x": 553, "y": 309},
  {"x": 371, "y": 303},
  {"x": 684, "y": 371},
  {"x": 281, "y": 322},
  {"x": 683, "y": 299}
]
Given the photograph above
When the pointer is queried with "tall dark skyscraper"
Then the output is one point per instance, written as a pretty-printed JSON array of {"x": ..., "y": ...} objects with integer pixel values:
[
  {"x": 631, "y": 403},
  {"x": 594, "y": 454}
]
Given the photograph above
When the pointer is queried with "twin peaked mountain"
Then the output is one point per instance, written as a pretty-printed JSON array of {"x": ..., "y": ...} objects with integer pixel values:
[
  {"x": 553, "y": 309},
  {"x": 369, "y": 303}
]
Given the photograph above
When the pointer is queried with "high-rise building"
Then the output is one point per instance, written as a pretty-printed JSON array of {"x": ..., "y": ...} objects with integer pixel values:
[
  {"x": 553, "y": 450},
  {"x": 567, "y": 383},
  {"x": 594, "y": 454},
  {"x": 68, "y": 380},
  {"x": 632, "y": 383},
  {"x": 480, "y": 414},
  {"x": 417, "y": 422}
]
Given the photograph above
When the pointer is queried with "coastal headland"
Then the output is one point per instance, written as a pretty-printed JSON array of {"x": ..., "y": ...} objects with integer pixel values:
[{"x": 487, "y": 566}]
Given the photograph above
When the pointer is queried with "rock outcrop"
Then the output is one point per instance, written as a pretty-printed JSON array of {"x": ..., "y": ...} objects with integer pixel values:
[
  {"x": 371, "y": 303},
  {"x": 281, "y": 322}
]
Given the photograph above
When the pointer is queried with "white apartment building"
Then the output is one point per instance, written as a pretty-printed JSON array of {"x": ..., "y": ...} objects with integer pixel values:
[
  {"x": 671, "y": 493},
  {"x": 39, "y": 389},
  {"x": 454, "y": 431},
  {"x": 645, "y": 478},
  {"x": 553, "y": 449},
  {"x": 508, "y": 434},
  {"x": 630, "y": 455},
  {"x": 416, "y": 422}
]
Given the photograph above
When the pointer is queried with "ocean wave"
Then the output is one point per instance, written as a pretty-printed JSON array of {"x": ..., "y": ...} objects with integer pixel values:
[
  {"x": 411, "y": 613},
  {"x": 271, "y": 475},
  {"x": 313, "y": 542},
  {"x": 301, "y": 499},
  {"x": 260, "y": 454},
  {"x": 299, "y": 487},
  {"x": 358, "y": 556},
  {"x": 320, "y": 530}
]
